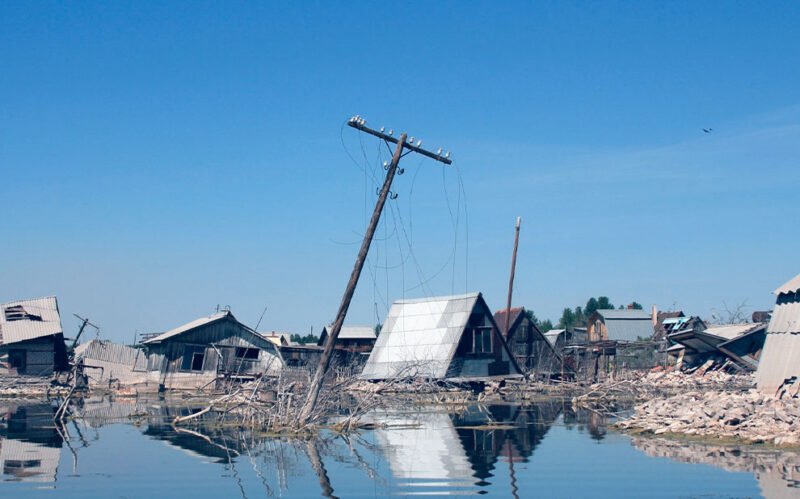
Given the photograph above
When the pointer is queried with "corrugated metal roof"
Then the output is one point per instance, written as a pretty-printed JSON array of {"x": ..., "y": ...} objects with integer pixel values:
[
  {"x": 785, "y": 316},
  {"x": 780, "y": 359},
  {"x": 625, "y": 314},
  {"x": 731, "y": 331},
  {"x": 107, "y": 351},
  {"x": 790, "y": 287},
  {"x": 357, "y": 333},
  {"x": 419, "y": 337},
  {"x": 629, "y": 329},
  {"x": 14, "y": 331},
  {"x": 189, "y": 326}
]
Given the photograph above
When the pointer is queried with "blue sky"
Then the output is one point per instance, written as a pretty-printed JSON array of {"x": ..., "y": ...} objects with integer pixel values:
[{"x": 160, "y": 159}]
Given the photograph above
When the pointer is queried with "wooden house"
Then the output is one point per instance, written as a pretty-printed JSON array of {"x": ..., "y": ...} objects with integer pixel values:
[
  {"x": 31, "y": 338},
  {"x": 449, "y": 337},
  {"x": 531, "y": 349},
  {"x": 210, "y": 349},
  {"x": 354, "y": 339}
]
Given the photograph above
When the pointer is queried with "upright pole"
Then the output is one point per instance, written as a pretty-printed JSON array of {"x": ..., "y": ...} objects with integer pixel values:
[
  {"x": 511, "y": 278},
  {"x": 325, "y": 360}
]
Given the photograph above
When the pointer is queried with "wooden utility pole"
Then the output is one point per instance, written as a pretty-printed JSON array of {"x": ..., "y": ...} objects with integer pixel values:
[
  {"x": 511, "y": 278},
  {"x": 324, "y": 363}
]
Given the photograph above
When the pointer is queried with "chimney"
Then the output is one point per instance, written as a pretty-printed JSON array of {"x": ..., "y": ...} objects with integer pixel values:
[{"x": 655, "y": 316}]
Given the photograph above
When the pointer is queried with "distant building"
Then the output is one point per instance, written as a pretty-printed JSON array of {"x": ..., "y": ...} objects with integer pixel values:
[
  {"x": 620, "y": 325},
  {"x": 354, "y": 339},
  {"x": 531, "y": 349},
  {"x": 449, "y": 337},
  {"x": 208, "y": 349},
  {"x": 779, "y": 367},
  {"x": 665, "y": 322},
  {"x": 278, "y": 339},
  {"x": 31, "y": 338}
]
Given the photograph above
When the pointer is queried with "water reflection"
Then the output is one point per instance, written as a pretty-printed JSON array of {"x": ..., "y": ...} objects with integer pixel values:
[
  {"x": 778, "y": 472},
  {"x": 30, "y": 445},
  {"x": 475, "y": 450}
]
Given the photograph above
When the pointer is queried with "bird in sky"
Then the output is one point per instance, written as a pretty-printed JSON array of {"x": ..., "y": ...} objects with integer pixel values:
[{"x": 707, "y": 130}]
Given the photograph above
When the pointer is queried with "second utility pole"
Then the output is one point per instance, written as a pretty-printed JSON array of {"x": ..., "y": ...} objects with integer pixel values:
[{"x": 325, "y": 360}]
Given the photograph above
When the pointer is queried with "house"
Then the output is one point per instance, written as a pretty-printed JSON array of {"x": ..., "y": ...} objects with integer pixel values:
[
  {"x": 31, "y": 338},
  {"x": 561, "y": 338},
  {"x": 446, "y": 337},
  {"x": 665, "y": 321},
  {"x": 108, "y": 363},
  {"x": 779, "y": 367},
  {"x": 529, "y": 346},
  {"x": 741, "y": 343},
  {"x": 354, "y": 339},
  {"x": 209, "y": 349},
  {"x": 620, "y": 325},
  {"x": 278, "y": 339}
]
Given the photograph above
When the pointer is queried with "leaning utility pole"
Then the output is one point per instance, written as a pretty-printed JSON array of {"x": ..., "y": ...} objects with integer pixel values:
[
  {"x": 511, "y": 278},
  {"x": 402, "y": 143}
]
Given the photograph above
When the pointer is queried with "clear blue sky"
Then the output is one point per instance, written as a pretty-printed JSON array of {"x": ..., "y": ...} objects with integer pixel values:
[{"x": 159, "y": 159}]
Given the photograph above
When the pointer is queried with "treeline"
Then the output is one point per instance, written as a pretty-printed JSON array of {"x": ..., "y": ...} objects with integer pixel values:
[
  {"x": 579, "y": 316},
  {"x": 304, "y": 340}
]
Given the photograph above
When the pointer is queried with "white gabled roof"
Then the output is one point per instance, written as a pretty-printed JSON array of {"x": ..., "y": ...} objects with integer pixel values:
[
  {"x": 44, "y": 320},
  {"x": 420, "y": 337},
  {"x": 202, "y": 321}
]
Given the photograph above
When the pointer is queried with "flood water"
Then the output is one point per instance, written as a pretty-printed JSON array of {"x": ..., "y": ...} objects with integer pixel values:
[{"x": 128, "y": 449}]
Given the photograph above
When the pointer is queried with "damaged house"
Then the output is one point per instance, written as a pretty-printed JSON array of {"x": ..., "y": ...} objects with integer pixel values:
[
  {"x": 531, "y": 349},
  {"x": 31, "y": 338},
  {"x": 209, "y": 349},
  {"x": 620, "y": 325},
  {"x": 779, "y": 368},
  {"x": 449, "y": 337},
  {"x": 353, "y": 339},
  {"x": 696, "y": 344}
]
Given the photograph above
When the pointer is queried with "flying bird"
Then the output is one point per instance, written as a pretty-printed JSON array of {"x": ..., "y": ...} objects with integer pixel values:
[{"x": 708, "y": 130}]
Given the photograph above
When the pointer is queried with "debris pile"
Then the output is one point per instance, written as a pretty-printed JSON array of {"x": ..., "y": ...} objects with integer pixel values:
[
  {"x": 29, "y": 387},
  {"x": 746, "y": 416}
]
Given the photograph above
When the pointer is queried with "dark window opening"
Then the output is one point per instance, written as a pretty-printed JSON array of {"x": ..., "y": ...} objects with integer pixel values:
[
  {"x": 18, "y": 313},
  {"x": 193, "y": 358},
  {"x": 17, "y": 359},
  {"x": 247, "y": 353}
]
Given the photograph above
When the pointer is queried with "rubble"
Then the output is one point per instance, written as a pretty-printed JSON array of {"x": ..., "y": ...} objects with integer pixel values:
[{"x": 747, "y": 416}]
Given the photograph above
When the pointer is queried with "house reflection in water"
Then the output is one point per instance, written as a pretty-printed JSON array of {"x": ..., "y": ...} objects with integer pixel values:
[
  {"x": 451, "y": 454},
  {"x": 30, "y": 446}
]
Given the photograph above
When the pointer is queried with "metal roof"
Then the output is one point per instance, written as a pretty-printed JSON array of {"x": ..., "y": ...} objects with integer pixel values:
[
  {"x": 189, "y": 326},
  {"x": 790, "y": 287},
  {"x": 627, "y": 313},
  {"x": 106, "y": 351},
  {"x": 44, "y": 320},
  {"x": 419, "y": 337},
  {"x": 780, "y": 359},
  {"x": 731, "y": 331},
  {"x": 629, "y": 329},
  {"x": 357, "y": 333}
]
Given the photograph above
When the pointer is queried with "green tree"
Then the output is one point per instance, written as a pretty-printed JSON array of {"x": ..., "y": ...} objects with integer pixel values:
[
  {"x": 591, "y": 306},
  {"x": 603, "y": 303},
  {"x": 567, "y": 319},
  {"x": 545, "y": 326},
  {"x": 636, "y": 306}
]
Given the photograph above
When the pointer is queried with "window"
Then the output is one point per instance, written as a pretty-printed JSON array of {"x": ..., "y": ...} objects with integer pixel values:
[
  {"x": 193, "y": 358},
  {"x": 247, "y": 353},
  {"x": 482, "y": 340}
]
